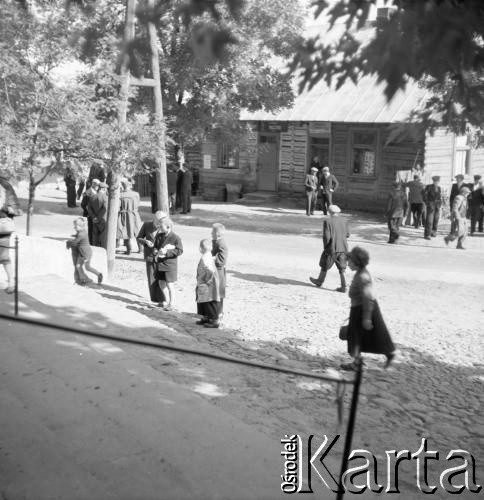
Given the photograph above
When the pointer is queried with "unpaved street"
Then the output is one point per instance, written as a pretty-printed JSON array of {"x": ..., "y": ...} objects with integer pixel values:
[{"x": 431, "y": 297}]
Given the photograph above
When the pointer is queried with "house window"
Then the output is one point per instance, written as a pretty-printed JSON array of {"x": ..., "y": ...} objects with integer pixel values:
[
  {"x": 227, "y": 156},
  {"x": 363, "y": 153},
  {"x": 462, "y": 156}
]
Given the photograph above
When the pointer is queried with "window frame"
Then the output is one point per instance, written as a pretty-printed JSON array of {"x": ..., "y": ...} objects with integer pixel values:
[
  {"x": 230, "y": 149},
  {"x": 468, "y": 159},
  {"x": 352, "y": 145}
]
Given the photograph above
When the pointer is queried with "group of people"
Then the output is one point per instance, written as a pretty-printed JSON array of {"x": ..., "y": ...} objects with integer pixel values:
[
  {"x": 320, "y": 184},
  {"x": 161, "y": 249},
  {"x": 424, "y": 204},
  {"x": 180, "y": 181},
  {"x": 366, "y": 330}
]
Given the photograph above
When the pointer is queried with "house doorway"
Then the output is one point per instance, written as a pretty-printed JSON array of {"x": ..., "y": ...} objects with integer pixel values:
[
  {"x": 267, "y": 162},
  {"x": 320, "y": 149}
]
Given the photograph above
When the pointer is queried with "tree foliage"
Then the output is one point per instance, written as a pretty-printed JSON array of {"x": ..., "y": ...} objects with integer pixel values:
[{"x": 436, "y": 42}]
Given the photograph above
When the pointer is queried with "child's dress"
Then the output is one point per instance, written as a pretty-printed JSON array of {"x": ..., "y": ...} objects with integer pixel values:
[{"x": 207, "y": 290}]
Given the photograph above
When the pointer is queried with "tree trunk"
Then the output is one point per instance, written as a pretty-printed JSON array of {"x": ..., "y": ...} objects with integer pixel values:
[
  {"x": 112, "y": 219},
  {"x": 30, "y": 208},
  {"x": 161, "y": 177}
]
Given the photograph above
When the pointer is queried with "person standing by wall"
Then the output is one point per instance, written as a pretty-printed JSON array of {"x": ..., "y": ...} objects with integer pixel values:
[
  {"x": 396, "y": 207},
  {"x": 146, "y": 238},
  {"x": 172, "y": 180},
  {"x": 328, "y": 185},
  {"x": 70, "y": 180},
  {"x": 335, "y": 240},
  {"x": 129, "y": 221},
  {"x": 311, "y": 187},
  {"x": 9, "y": 208},
  {"x": 476, "y": 202},
  {"x": 185, "y": 180},
  {"x": 433, "y": 203},
  {"x": 220, "y": 253},
  {"x": 167, "y": 248},
  {"x": 459, "y": 219},
  {"x": 208, "y": 288},
  {"x": 97, "y": 209}
]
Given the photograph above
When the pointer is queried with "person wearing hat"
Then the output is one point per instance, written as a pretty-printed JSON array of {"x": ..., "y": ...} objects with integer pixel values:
[
  {"x": 459, "y": 219},
  {"x": 146, "y": 238},
  {"x": 476, "y": 202},
  {"x": 455, "y": 189},
  {"x": 311, "y": 187},
  {"x": 97, "y": 209},
  {"x": 129, "y": 221},
  {"x": 328, "y": 185},
  {"x": 433, "y": 203},
  {"x": 88, "y": 194},
  {"x": 335, "y": 239},
  {"x": 396, "y": 207}
]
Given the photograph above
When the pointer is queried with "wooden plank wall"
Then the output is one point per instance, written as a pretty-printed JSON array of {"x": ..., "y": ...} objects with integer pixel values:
[
  {"x": 439, "y": 153},
  {"x": 293, "y": 158},
  {"x": 357, "y": 190},
  {"x": 213, "y": 180}
]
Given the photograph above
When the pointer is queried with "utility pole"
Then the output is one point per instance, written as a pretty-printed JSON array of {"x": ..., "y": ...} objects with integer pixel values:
[{"x": 126, "y": 81}]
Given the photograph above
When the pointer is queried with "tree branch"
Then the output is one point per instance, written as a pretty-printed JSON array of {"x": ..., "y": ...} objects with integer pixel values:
[{"x": 47, "y": 172}]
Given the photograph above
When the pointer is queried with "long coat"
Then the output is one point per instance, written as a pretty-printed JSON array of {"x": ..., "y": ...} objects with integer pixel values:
[
  {"x": 129, "y": 221},
  {"x": 148, "y": 232},
  {"x": 221, "y": 253},
  {"x": 207, "y": 289},
  {"x": 169, "y": 262}
]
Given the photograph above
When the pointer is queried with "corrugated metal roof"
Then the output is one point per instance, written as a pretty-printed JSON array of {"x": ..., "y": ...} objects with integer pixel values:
[{"x": 361, "y": 103}]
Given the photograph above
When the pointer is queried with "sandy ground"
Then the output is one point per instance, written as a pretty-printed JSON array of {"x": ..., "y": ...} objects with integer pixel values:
[{"x": 431, "y": 298}]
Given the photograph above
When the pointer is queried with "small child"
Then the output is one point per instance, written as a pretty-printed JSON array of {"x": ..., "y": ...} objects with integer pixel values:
[
  {"x": 82, "y": 254},
  {"x": 207, "y": 290},
  {"x": 220, "y": 254}
]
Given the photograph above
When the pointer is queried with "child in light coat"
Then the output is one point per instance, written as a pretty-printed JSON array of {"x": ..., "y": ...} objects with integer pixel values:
[{"x": 207, "y": 290}]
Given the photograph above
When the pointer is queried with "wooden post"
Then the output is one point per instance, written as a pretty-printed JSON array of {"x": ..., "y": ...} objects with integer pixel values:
[{"x": 161, "y": 177}]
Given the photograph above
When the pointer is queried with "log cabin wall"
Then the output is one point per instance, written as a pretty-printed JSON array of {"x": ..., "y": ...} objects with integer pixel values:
[
  {"x": 213, "y": 180},
  {"x": 293, "y": 158},
  {"x": 369, "y": 192}
]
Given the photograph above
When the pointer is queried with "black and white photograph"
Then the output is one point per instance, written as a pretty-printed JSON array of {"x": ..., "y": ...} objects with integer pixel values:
[{"x": 241, "y": 249}]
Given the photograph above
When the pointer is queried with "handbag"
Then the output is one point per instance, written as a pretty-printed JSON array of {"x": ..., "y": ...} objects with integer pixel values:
[
  {"x": 7, "y": 225},
  {"x": 343, "y": 332}
]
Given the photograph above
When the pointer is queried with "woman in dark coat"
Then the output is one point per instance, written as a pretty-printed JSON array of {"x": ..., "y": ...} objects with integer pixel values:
[
  {"x": 367, "y": 331},
  {"x": 9, "y": 208},
  {"x": 167, "y": 248},
  {"x": 146, "y": 238}
]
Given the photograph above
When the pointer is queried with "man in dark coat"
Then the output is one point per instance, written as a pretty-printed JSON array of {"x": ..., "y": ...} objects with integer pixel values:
[
  {"x": 70, "y": 180},
  {"x": 335, "y": 240},
  {"x": 311, "y": 187},
  {"x": 396, "y": 208},
  {"x": 459, "y": 219},
  {"x": 96, "y": 172},
  {"x": 88, "y": 194},
  {"x": 172, "y": 180},
  {"x": 220, "y": 253},
  {"x": 476, "y": 202},
  {"x": 184, "y": 187},
  {"x": 328, "y": 185},
  {"x": 415, "y": 199},
  {"x": 433, "y": 204},
  {"x": 97, "y": 208},
  {"x": 455, "y": 189},
  {"x": 146, "y": 238}
]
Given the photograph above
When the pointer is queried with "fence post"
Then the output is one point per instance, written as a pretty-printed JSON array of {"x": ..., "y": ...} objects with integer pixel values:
[
  {"x": 16, "y": 275},
  {"x": 351, "y": 425}
]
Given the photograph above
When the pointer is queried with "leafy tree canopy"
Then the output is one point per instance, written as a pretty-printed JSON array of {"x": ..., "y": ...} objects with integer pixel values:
[{"x": 439, "y": 43}]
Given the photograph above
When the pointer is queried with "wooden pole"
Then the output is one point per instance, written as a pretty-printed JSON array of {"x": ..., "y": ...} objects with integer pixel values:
[{"x": 161, "y": 177}]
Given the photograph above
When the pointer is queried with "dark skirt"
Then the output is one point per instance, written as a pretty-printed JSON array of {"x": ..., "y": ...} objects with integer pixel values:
[
  {"x": 376, "y": 341},
  {"x": 209, "y": 310}
]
